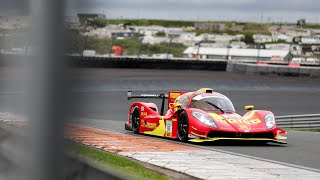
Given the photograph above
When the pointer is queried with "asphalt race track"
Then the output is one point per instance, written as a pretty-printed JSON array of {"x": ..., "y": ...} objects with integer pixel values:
[
  {"x": 101, "y": 93},
  {"x": 99, "y": 100}
]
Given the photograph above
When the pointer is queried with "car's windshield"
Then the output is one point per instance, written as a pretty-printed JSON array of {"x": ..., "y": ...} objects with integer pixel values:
[{"x": 208, "y": 102}]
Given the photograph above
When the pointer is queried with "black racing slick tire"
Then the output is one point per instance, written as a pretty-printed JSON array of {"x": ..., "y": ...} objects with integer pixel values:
[
  {"x": 183, "y": 127},
  {"x": 135, "y": 118}
]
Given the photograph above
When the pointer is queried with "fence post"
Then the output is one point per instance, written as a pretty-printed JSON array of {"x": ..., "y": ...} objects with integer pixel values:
[
  {"x": 110, "y": 50},
  {"x": 198, "y": 51},
  {"x": 45, "y": 93},
  {"x": 168, "y": 48},
  {"x": 139, "y": 48}
]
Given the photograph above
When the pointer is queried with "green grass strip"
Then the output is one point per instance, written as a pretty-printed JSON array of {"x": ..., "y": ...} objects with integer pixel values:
[{"x": 114, "y": 162}]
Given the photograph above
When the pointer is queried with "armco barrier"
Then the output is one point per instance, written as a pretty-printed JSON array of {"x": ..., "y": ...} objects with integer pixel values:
[
  {"x": 307, "y": 121},
  {"x": 148, "y": 63},
  {"x": 269, "y": 69},
  {"x": 175, "y": 63},
  {"x": 126, "y": 62}
]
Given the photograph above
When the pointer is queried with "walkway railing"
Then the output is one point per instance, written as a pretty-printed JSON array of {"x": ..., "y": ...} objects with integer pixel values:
[{"x": 306, "y": 121}]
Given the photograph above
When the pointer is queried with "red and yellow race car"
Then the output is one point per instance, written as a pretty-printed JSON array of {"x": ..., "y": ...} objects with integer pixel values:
[{"x": 199, "y": 116}]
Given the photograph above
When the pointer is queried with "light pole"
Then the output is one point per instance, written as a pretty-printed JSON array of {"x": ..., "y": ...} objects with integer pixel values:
[
  {"x": 199, "y": 45},
  {"x": 83, "y": 45},
  {"x": 168, "y": 48},
  {"x": 110, "y": 49},
  {"x": 85, "y": 38},
  {"x": 139, "y": 48},
  {"x": 228, "y": 52},
  {"x": 258, "y": 57}
]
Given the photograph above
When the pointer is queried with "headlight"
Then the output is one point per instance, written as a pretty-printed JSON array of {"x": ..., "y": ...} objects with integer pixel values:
[
  {"x": 205, "y": 119},
  {"x": 270, "y": 121}
]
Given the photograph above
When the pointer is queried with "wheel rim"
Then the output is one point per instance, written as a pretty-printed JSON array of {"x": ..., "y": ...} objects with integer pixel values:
[
  {"x": 135, "y": 119},
  {"x": 183, "y": 127}
]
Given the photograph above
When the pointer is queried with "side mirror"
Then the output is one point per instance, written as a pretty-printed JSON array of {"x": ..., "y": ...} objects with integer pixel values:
[
  {"x": 249, "y": 107},
  {"x": 175, "y": 106}
]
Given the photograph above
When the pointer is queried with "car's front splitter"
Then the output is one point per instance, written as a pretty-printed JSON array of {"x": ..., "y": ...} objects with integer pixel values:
[{"x": 238, "y": 139}]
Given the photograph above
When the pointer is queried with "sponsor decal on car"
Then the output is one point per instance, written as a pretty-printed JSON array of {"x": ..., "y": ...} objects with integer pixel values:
[
  {"x": 234, "y": 121},
  {"x": 168, "y": 128},
  {"x": 174, "y": 95},
  {"x": 159, "y": 130},
  {"x": 143, "y": 114},
  {"x": 151, "y": 125},
  {"x": 239, "y": 121}
]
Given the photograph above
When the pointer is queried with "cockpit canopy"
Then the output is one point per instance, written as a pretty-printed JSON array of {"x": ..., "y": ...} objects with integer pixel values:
[
  {"x": 207, "y": 102},
  {"x": 212, "y": 102}
]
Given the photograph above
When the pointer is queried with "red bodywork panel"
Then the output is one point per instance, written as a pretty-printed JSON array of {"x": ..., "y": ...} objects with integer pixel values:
[{"x": 150, "y": 120}]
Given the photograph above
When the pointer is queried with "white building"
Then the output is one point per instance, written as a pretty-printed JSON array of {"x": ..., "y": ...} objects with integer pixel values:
[
  {"x": 295, "y": 49},
  {"x": 106, "y": 32},
  {"x": 310, "y": 39},
  {"x": 298, "y": 32},
  {"x": 261, "y": 38},
  {"x": 154, "y": 40},
  {"x": 279, "y": 46},
  {"x": 162, "y": 56},
  {"x": 188, "y": 38},
  {"x": 276, "y": 36},
  {"x": 215, "y": 45},
  {"x": 185, "y": 38},
  {"x": 234, "y": 54},
  {"x": 238, "y": 44},
  {"x": 222, "y": 37},
  {"x": 148, "y": 30}
]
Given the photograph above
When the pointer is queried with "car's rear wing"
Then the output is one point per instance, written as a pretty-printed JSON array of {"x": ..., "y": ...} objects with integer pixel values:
[
  {"x": 154, "y": 96},
  {"x": 171, "y": 96}
]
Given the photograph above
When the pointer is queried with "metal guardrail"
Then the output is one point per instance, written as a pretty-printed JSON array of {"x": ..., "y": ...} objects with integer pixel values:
[
  {"x": 107, "y": 57},
  {"x": 307, "y": 121}
]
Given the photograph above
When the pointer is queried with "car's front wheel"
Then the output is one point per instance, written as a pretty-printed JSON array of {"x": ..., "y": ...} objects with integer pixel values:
[
  {"x": 183, "y": 126},
  {"x": 135, "y": 118}
]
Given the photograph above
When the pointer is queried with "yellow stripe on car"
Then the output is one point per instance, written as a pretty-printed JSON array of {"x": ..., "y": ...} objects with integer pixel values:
[
  {"x": 242, "y": 139},
  {"x": 160, "y": 130},
  {"x": 250, "y": 115}
]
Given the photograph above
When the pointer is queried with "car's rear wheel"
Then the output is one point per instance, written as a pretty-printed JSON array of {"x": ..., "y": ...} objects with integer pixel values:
[
  {"x": 135, "y": 118},
  {"x": 183, "y": 125}
]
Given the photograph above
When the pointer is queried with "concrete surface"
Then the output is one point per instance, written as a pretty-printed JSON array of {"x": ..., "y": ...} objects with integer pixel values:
[{"x": 203, "y": 164}]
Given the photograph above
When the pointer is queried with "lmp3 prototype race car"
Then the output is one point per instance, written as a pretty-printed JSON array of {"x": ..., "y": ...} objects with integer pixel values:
[{"x": 201, "y": 116}]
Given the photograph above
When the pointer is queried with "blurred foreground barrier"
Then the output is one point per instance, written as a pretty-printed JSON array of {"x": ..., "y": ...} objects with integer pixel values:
[
  {"x": 307, "y": 121},
  {"x": 12, "y": 151},
  {"x": 12, "y": 158},
  {"x": 80, "y": 168}
]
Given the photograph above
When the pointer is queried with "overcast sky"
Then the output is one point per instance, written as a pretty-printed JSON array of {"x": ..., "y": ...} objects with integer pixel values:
[{"x": 239, "y": 10}]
